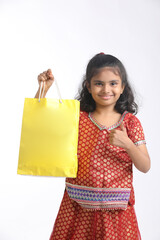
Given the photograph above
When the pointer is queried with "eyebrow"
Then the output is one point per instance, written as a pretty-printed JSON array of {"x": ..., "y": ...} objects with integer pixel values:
[{"x": 102, "y": 81}]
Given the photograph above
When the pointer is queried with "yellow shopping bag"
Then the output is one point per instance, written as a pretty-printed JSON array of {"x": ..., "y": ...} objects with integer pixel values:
[{"x": 49, "y": 137}]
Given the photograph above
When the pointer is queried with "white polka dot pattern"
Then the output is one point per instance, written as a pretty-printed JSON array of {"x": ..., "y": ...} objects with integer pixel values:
[{"x": 100, "y": 165}]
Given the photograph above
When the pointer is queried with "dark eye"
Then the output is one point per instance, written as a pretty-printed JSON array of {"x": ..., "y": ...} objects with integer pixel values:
[
  {"x": 114, "y": 83},
  {"x": 98, "y": 83}
]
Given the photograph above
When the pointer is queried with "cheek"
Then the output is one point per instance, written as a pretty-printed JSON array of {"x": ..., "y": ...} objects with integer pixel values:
[
  {"x": 117, "y": 90},
  {"x": 93, "y": 89}
]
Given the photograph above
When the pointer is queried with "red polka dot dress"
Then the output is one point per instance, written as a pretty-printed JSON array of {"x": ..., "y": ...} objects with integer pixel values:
[{"x": 99, "y": 203}]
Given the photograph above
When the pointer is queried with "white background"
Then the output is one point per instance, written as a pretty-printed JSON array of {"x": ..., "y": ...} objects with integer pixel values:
[{"x": 64, "y": 35}]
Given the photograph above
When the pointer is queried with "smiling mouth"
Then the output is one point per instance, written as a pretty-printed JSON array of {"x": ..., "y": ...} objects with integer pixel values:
[{"x": 106, "y": 97}]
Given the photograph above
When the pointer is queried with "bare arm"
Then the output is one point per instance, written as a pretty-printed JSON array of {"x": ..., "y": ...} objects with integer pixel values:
[{"x": 139, "y": 156}]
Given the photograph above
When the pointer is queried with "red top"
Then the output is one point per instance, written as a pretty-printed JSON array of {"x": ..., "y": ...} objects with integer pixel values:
[{"x": 100, "y": 164}]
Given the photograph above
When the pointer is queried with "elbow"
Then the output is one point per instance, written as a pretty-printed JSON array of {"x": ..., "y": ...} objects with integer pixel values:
[{"x": 147, "y": 168}]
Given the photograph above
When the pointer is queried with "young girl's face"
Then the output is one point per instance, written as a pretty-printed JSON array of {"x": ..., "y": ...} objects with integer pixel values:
[{"x": 106, "y": 87}]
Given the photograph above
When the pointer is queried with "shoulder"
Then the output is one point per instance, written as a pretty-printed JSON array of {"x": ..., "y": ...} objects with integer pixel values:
[
  {"x": 132, "y": 120},
  {"x": 134, "y": 129},
  {"x": 83, "y": 114},
  {"x": 83, "y": 117}
]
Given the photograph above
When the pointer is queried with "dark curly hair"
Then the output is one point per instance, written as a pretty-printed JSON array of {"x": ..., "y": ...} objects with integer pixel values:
[{"x": 126, "y": 99}]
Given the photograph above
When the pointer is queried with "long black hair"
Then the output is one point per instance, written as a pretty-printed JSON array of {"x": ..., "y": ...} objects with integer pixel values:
[{"x": 126, "y": 99}]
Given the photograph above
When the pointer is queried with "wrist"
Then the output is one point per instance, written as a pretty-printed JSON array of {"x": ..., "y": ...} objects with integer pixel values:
[
  {"x": 46, "y": 89},
  {"x": 129, "y": 145}
]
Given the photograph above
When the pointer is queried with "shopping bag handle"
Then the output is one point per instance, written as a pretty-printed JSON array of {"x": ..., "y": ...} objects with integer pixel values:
[{"x": 60, "y": 98}]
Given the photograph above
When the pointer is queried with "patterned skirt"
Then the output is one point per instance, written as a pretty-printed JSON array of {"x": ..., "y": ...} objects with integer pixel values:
[{"x": 76, "y": 223}]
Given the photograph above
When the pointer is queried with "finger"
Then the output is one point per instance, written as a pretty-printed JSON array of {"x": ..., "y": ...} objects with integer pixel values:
[
  {"x": 49, "y": 74},
  {"x": 41, "y": 77},
  {"x": 44, "y": 75},
  {"x": 110, "y": 136},
  {"x": 112, "y": 131},
  {"x": 122, "y": 127}
]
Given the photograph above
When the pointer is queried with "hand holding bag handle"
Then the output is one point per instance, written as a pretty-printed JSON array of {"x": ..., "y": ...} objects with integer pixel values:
[{"x": 60, "y": 98}]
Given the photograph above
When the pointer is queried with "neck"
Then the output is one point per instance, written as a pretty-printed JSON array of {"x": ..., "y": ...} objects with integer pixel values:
[{"x": 105, "y": 111}]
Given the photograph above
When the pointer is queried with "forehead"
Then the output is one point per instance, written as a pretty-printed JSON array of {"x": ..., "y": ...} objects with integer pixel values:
[{"x": 107, "y": 73}]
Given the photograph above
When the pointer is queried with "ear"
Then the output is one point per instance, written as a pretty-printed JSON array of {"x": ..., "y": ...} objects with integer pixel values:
[
  {"x": 88, "y": 87},
  {"x": 123, "y": 87}
]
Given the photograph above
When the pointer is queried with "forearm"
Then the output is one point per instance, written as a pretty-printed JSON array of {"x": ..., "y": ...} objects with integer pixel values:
[
  {"x": 37, "y": 94},
  {"x": 140, "y": 160}
]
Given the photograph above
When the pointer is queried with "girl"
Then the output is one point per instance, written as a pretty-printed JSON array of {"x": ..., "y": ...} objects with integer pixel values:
[{"x": 99, "y": 202}]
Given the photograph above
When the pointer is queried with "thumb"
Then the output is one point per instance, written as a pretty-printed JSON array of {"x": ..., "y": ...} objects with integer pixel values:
[{"x": 123, "y": 127}]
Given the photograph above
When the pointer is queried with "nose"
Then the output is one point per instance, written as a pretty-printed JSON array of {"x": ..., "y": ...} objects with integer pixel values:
[{"x": 106, "y": 88}]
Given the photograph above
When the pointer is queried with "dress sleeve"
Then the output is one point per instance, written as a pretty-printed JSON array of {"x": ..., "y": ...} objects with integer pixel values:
[{"x": 135, "y": 131}]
